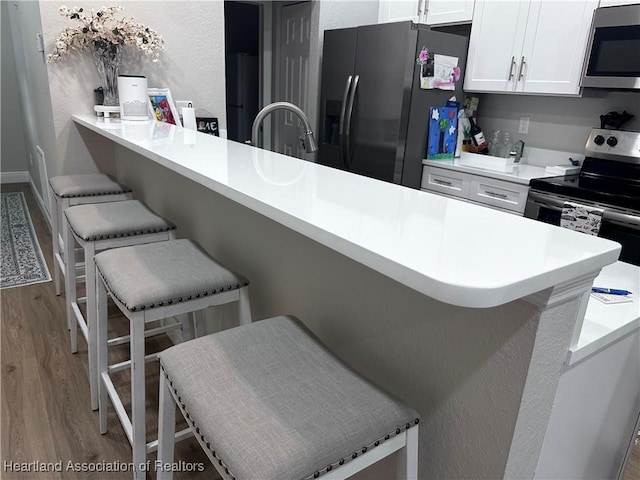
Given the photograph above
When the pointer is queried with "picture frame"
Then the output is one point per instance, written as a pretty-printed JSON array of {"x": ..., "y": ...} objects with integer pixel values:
[
  {"x": 208, "y": 125},
  {"x": 443, "y": 133},
  {"x": 161, "y": 106}
]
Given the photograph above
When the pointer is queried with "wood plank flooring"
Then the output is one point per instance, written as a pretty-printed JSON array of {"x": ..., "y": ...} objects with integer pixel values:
[{"x": 46, "y": 415}]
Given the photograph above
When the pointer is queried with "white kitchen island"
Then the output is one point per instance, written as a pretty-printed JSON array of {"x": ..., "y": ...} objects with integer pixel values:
[{"x": 464, "y": 312}]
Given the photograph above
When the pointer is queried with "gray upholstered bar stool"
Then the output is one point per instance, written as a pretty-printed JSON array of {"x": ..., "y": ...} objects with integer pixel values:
[
  {"x": 148, "y": 283},
  {"x": 68, "y": 190},
  {"x": 269, "y": 401},
  {"x": 96, "y": 227}
]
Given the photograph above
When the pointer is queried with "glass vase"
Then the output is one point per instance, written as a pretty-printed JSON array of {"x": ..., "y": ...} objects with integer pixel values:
[{"x": 107, "y": 60}]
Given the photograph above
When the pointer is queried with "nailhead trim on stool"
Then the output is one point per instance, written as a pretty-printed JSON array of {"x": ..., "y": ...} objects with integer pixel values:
[
  {"x": 126, "y": 218},
  {"x": 194, "y": 426},
  {"x": 175, "y": 253},
  {"x": 149, "y": 283},
  {"x": 273, "y": 402},
  {"x": 98, "y": 227},
  {"x": 69, "y": 190},
  {"x": 86, "y": 185}
]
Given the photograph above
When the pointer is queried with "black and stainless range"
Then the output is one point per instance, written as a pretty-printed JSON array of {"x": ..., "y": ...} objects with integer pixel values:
[{"x": 609, "y": 179}]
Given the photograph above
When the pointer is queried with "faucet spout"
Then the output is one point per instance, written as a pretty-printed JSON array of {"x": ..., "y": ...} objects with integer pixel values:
[
  {"x": 309, "y": 140},
  {"x": 518, "y": 147}
]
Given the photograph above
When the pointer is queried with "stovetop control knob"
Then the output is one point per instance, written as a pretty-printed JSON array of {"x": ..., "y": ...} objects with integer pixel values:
[
  {"x": 599, "y": 140},
  {"x": 612, "y": 141}
]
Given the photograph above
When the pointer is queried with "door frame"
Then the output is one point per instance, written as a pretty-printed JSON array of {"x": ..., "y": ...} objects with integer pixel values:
[
  {"x": 277, "y": 55},
  {"x": 265, "y": 59},
  {"x": 269, "y": 56}
]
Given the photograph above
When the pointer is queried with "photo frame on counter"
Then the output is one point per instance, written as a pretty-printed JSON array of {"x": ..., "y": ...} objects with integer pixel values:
[
  {"x": 162, "y": 107},
  {"x": 208, "y": 125}
]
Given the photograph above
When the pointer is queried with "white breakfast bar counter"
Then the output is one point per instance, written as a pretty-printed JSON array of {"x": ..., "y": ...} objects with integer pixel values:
[{"x": 465, "y": 313}]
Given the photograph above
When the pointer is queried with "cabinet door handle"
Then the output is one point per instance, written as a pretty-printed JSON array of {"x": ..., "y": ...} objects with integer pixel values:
[
  {"x": 521, "y": 71},
  {"x": 513, "y": 62},
  {"x": 419, "y": 9},
  {"x": 495, "y": 194},
  {"x": 442, "y": 182}
]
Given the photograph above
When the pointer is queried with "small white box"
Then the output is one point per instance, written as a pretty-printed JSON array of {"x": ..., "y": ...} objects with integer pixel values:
[
  {"x": 563, "y": 170},
  {"x": 134, "y": 100}
]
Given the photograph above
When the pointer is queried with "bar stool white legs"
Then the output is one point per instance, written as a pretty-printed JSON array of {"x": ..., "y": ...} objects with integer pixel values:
[
  {"x": 179, "y": 297},
  {"x": 69, "y": 190},
  {"x": 96, "y": 227}
]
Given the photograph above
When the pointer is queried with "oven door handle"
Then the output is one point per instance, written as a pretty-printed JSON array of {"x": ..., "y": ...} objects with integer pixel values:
[
  {"x": 552, "y": 203},
  {"x": 632, "y": 221}
]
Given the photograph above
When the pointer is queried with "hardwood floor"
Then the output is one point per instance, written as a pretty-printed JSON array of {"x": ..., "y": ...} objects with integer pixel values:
[{"x": 46, "y": 415}]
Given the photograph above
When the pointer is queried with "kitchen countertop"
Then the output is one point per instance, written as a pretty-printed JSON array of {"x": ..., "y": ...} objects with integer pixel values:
[
  {"x": 492, "y": 167},
  {"x": 455, "y": 252},
  {"x": 605, "y": 324}
]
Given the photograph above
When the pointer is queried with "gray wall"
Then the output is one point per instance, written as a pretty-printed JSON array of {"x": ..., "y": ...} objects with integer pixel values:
[
  {"x": 557, "y": 123},
  {"x": 35, "y": 98},
  {"x": 13, "y": 154}
]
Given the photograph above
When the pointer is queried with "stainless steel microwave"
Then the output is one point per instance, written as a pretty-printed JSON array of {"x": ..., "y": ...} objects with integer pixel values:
[{"x": 613, "y": 58}]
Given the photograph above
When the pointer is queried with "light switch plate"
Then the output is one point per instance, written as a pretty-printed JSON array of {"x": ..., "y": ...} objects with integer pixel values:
[
  {"x": 39, "y": 42},
  {"x": 524, "y": 125}
]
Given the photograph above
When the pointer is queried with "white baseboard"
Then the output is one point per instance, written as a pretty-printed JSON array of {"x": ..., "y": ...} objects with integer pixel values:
[
  {"x": 40, "y": 202},
  {"x": 14, "y": 177},
  {"x": 24, "y": 177}
]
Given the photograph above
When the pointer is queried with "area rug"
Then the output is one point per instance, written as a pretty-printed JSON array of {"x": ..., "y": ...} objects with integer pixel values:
[{"x": 21, "y": 255}]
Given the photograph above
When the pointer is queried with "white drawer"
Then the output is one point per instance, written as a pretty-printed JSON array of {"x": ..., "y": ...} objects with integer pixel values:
[
  {"x": 445, "y": 181},
  {"x": 507, "y": 195}
]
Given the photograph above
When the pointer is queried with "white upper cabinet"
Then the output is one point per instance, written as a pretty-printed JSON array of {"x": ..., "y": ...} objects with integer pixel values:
[
  {"x": 432, "y": 12},
  {"x": 440, "y": 12},
  {"x": 497, "y": 35},
  {"x": 554, "y": 46},
  {"x": 399, "y": 10},
  {"x": 535, "y": 46},
  {"x": 610, "y": 3}
]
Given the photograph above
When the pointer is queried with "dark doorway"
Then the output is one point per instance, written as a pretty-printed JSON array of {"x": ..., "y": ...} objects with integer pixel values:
[{"x": 242, "y": 60}]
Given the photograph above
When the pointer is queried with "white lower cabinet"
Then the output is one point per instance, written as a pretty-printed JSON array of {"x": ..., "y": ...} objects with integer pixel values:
[
  {"x": 439, "y": 180},
  {"x": 490, "y": 192}
]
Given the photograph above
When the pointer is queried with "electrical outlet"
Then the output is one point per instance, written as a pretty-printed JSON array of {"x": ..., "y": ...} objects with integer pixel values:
[{"x": 524, "y": 125}]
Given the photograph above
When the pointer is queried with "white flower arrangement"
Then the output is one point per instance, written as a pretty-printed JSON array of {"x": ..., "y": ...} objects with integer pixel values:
[{"x": 102, "y": 30}]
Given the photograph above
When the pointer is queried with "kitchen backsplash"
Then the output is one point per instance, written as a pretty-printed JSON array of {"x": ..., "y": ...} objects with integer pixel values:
[{"x": 557, "y": 123}]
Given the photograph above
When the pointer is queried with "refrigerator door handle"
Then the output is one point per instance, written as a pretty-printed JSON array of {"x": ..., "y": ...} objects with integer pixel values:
[
  {"x": 343, "y": 111},
  {"x": 347, "y": 129}
]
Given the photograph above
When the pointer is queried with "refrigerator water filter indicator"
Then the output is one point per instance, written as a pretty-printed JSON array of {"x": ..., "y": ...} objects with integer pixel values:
[{"x": 442, "y": 136}]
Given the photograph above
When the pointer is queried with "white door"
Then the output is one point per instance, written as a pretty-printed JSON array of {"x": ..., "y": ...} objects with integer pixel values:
[
  {"x": 449, "y": 11},
  {"x": 554, "y": 46},
  {"x": 293, "y": 78},
  {"x": 497, "y": 35}
]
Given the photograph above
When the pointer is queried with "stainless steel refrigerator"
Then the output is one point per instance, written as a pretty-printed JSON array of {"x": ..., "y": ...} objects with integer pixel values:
[{"x": 373, "y": 113}]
